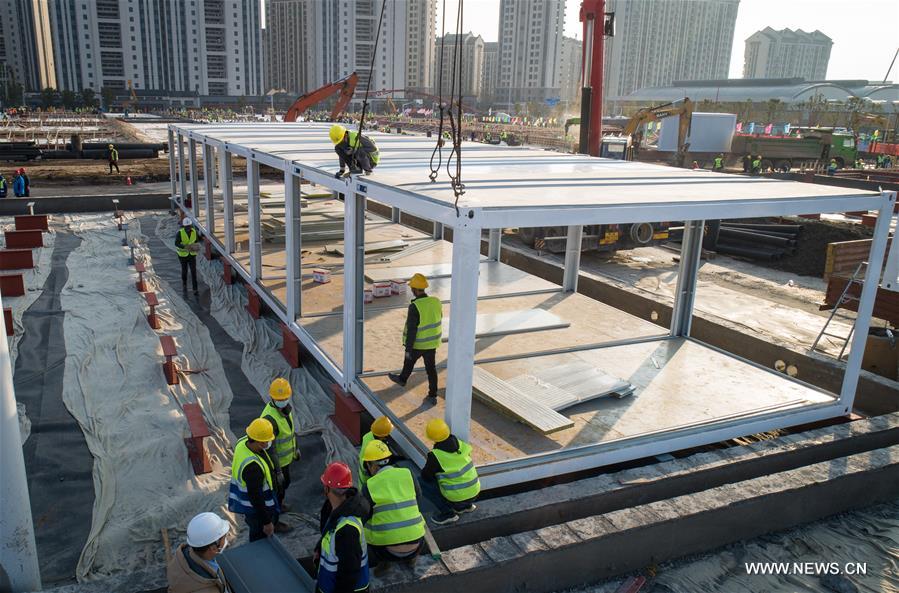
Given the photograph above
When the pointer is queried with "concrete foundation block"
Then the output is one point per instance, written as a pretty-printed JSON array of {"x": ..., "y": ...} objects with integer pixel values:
[
  {"x": 558, "y": 535},
  {"x": 465, "y": 559},
  {"x": 627, "y": 519},
  {"x": 592, "y": 527},
  {"x": 529, "y": 542},
  {"x": 500, "y": 549}
]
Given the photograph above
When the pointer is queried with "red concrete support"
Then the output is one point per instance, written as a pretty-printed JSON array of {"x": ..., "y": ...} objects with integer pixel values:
[
  {"x": 7, "y": 319},
  {"x": 811, "y": 216},
  {"x": 169, "y": 368},
  {"x": 207, "y": 248},
  {"x": 32, "y": 222},
  {"x": 290, "y": 347},
  {"x": 196, "y": 450},
  {"x": 24, "y": 239},
  {"x": 140, "y": 284},
  {"x": 153, "y": 302},
  {"x": 869, "y": 220},
  {"x": 347, "y": 414},
  {"x": 12, "y": 285},
  {"x": 16, "y": 259},
  {"x": 253, "y": 304},
  {"x": 229, "y": 278}
]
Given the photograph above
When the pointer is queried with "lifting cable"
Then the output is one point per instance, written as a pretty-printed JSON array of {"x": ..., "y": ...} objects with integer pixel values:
[
  {"x": 456, "y": 123},
  {"x": 438, "y": 148},
  {"x": 371, "y": 72}
]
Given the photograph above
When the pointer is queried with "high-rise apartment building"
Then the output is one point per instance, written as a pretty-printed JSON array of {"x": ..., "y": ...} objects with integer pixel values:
[
  {"x": 787, "y": 54},
  {"x": 572, "y": 58},
  {"x": 659, "y": 41},
  {"x": 491, "y": 70},
  {"x": 530, "y": 48},
  {"x": 471, "y": 75},
  {"x": 210, "y": 47},
  {"x": 26, "y": 55},
  {"x": 287, "y": 45}
]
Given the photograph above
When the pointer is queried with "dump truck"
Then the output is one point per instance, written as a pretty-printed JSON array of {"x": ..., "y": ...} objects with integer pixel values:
[{"x": 809, "y": 148}]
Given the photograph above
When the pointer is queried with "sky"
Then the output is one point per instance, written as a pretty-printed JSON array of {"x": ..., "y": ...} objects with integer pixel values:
[{"x": 864, "y": 32}]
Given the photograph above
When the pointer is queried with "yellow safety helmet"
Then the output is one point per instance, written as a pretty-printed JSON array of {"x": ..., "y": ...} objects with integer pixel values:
[
  {"x": 437, "y": 430},
  {"x": 418, "y": 281},
  {"x": 337, "y": 133},
  {"x": 375, "y": 451},
  {"x": 261, "y": 430},
  {"x": 280, "y": 389},
  {"x": 381, "y": 427}
]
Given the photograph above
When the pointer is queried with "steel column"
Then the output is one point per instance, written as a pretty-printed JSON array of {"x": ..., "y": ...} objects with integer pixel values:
[
  {"x": 182, "y": 179},
  {"x": 227, "y": 182},
  {"x": 463, "y": 312},
  {"x": 209, "y": 185},
  {"x": 572, "y": 258},
  {"x": 194, "y": 181},
  {"x": 253, "y": 210},
  {"x": 438, "y": 231},
  {"x": 866, "y": 300},
  {"x": 688, "y": 271},
  {"x": 395, "y": 214},
  {"x": 891, "y": 271},
  {"x": 494, "y": 244},
  {"x": 293, "y": 244},
  {"x": 353, "y": 282},
  {"x": 18, "y": 553},
  {"x": 172, "y": 178}
]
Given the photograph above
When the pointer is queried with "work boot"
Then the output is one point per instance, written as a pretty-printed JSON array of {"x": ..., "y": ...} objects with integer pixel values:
[
  {"x": 469, "y": 509},
  {"x": 431, "y": 398},
  {"x": 441, "y": 518},
  {"x": 396, "y": 379},
  {"x": 282, "y": 527},
  {"x": 184, "y": 288},
  {"x": 368, "y": 171}
]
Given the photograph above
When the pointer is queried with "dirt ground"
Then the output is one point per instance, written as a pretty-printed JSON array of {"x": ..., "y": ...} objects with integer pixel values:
[{"x": 811, "y": 249}]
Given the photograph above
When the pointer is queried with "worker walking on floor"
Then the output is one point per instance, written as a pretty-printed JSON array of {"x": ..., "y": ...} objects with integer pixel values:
[
  {"x": 422, "y": 335},
  {"x": 252, "y": 492},
  {"x": 756, "y": 166},
  {"x": 187, "y": 246},
  {"x": 193, "y": 567},
  {"x": 832, "y": 167},
  {"x": 113, "y": 156},
  {"x": 380, "y": 430},
  {"x": 718, "y": 164},
  {"x": 342, "y": 552},
  {"x": 3, "y": 187},
  {"x": 279, "y": 413},
  {"x": 356, "y": 152},
  {"x": 449, "y": 476},
  {"x": 395, "y": 532}
]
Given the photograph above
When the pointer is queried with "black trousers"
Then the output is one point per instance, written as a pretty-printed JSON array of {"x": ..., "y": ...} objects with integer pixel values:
[
  {"x": 189, "y": 262},
  {"x": 285, "y": 471},
  {"x": 429, "y": 357},
  {"x": 254, "y": 522},
  {"x": 114, "y": 164}
]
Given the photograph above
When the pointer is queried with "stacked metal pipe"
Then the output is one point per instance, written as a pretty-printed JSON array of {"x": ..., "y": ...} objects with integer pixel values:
[{"x": 760, "y": 241}]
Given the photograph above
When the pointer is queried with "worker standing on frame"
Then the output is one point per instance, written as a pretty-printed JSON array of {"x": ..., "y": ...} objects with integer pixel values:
[
  {"x": 187, "y": 246},
  {"x": 342, "y": 552},
  {"x": 252, "y": 490},
  {"x": 356, "y": 152},
  {"x": 421, "y": 336},
  {"x": 279, "y": 414},
  {"x": 380, "y": 430},
  {"x": 449, "y": 476}
]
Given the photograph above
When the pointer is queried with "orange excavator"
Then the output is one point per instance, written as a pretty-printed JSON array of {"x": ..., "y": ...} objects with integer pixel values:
[{"x": 345, "y": 86}]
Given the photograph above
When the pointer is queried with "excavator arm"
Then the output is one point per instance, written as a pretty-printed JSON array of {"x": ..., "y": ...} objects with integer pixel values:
[
  {"x": 345, "y": 86},
  {"x": 683, "y": 108}
]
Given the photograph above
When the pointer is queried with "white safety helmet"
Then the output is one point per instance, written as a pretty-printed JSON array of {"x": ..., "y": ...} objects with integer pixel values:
[
  {"x": 205, "y": 529},
  {"x": 185, "y": 221}
]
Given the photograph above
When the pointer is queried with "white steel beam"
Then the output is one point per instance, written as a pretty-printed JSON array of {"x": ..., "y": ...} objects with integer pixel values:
[
  {"x": 688, "y": 271},
  {"x": 253, "y": 215},
  {"x": 353, "y": 283},
  {"x": 395, "y": 214},
  {"x": 866, "y": 300},
  {"x": 194, "y": 179},
  {"x": 463, "y": 312},
  {"x": 891, "y": 271},
  {"x": 494, "y": 244},
  {"x": 437, "y": 232},
  {"x": 209, "y": 187},
  {"x": 173, "y": 179},
  {"x": 227, "y": 181},
  {"x": 293, "y": 244},
  {"x": 572, "y": 258},
  {"x": 182, "y": 164}
]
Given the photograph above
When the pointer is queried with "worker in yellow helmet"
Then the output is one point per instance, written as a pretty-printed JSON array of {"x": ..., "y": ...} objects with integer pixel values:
[
  {"x": 252, "y": 491},
  {"x": 380, "y": 430},
  {"x": 356, "y": 151},
  {"x": 421, "y": 336},
  {"x": 395, "y": 531},
  {"x": 449, "y": 477},
  {"x": 279, "y": 413}
]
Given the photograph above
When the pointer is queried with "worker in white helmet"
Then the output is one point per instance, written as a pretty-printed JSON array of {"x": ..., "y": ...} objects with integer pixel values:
[
  {"x": 193, "y": 567},
  {"x": 187, "y": 246}
]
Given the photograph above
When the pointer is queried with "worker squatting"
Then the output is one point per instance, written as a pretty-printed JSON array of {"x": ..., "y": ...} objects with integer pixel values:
[{"x": 365, "y": 525}]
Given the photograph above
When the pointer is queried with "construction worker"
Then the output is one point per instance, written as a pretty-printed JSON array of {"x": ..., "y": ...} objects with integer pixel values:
[
  {"x": 280, "y": 414},
  {"x": 756, "y": 166},
  {"x": 357, "y": 152},
  {"x": 187, "y": 246},
  {"x": 396, "y": 529},
  {"x": 27, "y": 181},
  {"x": 342, "y": 553},
  {"x": 193, "y": 567},
  {"x": 18, "y": 184},
  {"x": 421, "y": 336},
  {"x": 3, "y": 188},
  {"x": 252, "y": 491},
  {"x": 380, "y": 430},
  {"x": 718, "y": 164},
  {"x": 879, "y": 162},
  {"x": 832, "y": 167},
  {"x": 113, "y": 156},
  {"x": 449, "y": 476},
  {"x": 859, "y": 163}
]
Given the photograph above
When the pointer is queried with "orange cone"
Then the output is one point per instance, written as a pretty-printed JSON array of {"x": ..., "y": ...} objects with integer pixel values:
[{"x": 128, "y": 180}]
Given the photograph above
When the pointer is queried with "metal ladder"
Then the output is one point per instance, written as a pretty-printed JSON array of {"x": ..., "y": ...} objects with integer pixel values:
[{"x": 844, "y": 298}]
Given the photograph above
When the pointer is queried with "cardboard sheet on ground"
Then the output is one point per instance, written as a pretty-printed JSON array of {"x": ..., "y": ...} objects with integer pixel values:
[{"x": 512, "y": 322}]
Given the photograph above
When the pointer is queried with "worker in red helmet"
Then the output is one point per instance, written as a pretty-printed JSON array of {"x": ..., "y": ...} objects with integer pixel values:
[{"x": 342, "y": 553}]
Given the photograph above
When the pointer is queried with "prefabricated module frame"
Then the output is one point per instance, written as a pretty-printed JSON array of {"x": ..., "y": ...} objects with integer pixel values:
[{"x": 508, "y": 187}]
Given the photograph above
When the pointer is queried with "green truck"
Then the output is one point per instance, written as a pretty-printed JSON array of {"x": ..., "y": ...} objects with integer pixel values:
[{"x": 808, "y": 148}]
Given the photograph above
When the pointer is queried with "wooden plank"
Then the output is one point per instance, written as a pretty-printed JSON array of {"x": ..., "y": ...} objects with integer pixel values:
[
  {"x": 419, "y": 247},
  {"x": 498, "y": 394},
  {"x": 490, "y": 325},
  {"x": 373, "y": 247}
]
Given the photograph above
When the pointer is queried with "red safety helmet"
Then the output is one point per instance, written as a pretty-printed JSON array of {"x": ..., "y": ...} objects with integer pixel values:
[{"x": 337, "y": 475}]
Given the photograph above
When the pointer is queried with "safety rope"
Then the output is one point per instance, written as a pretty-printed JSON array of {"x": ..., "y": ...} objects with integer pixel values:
[
  {"x": 438, "y": 147},
  {"x": 371, "y": 72}
]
